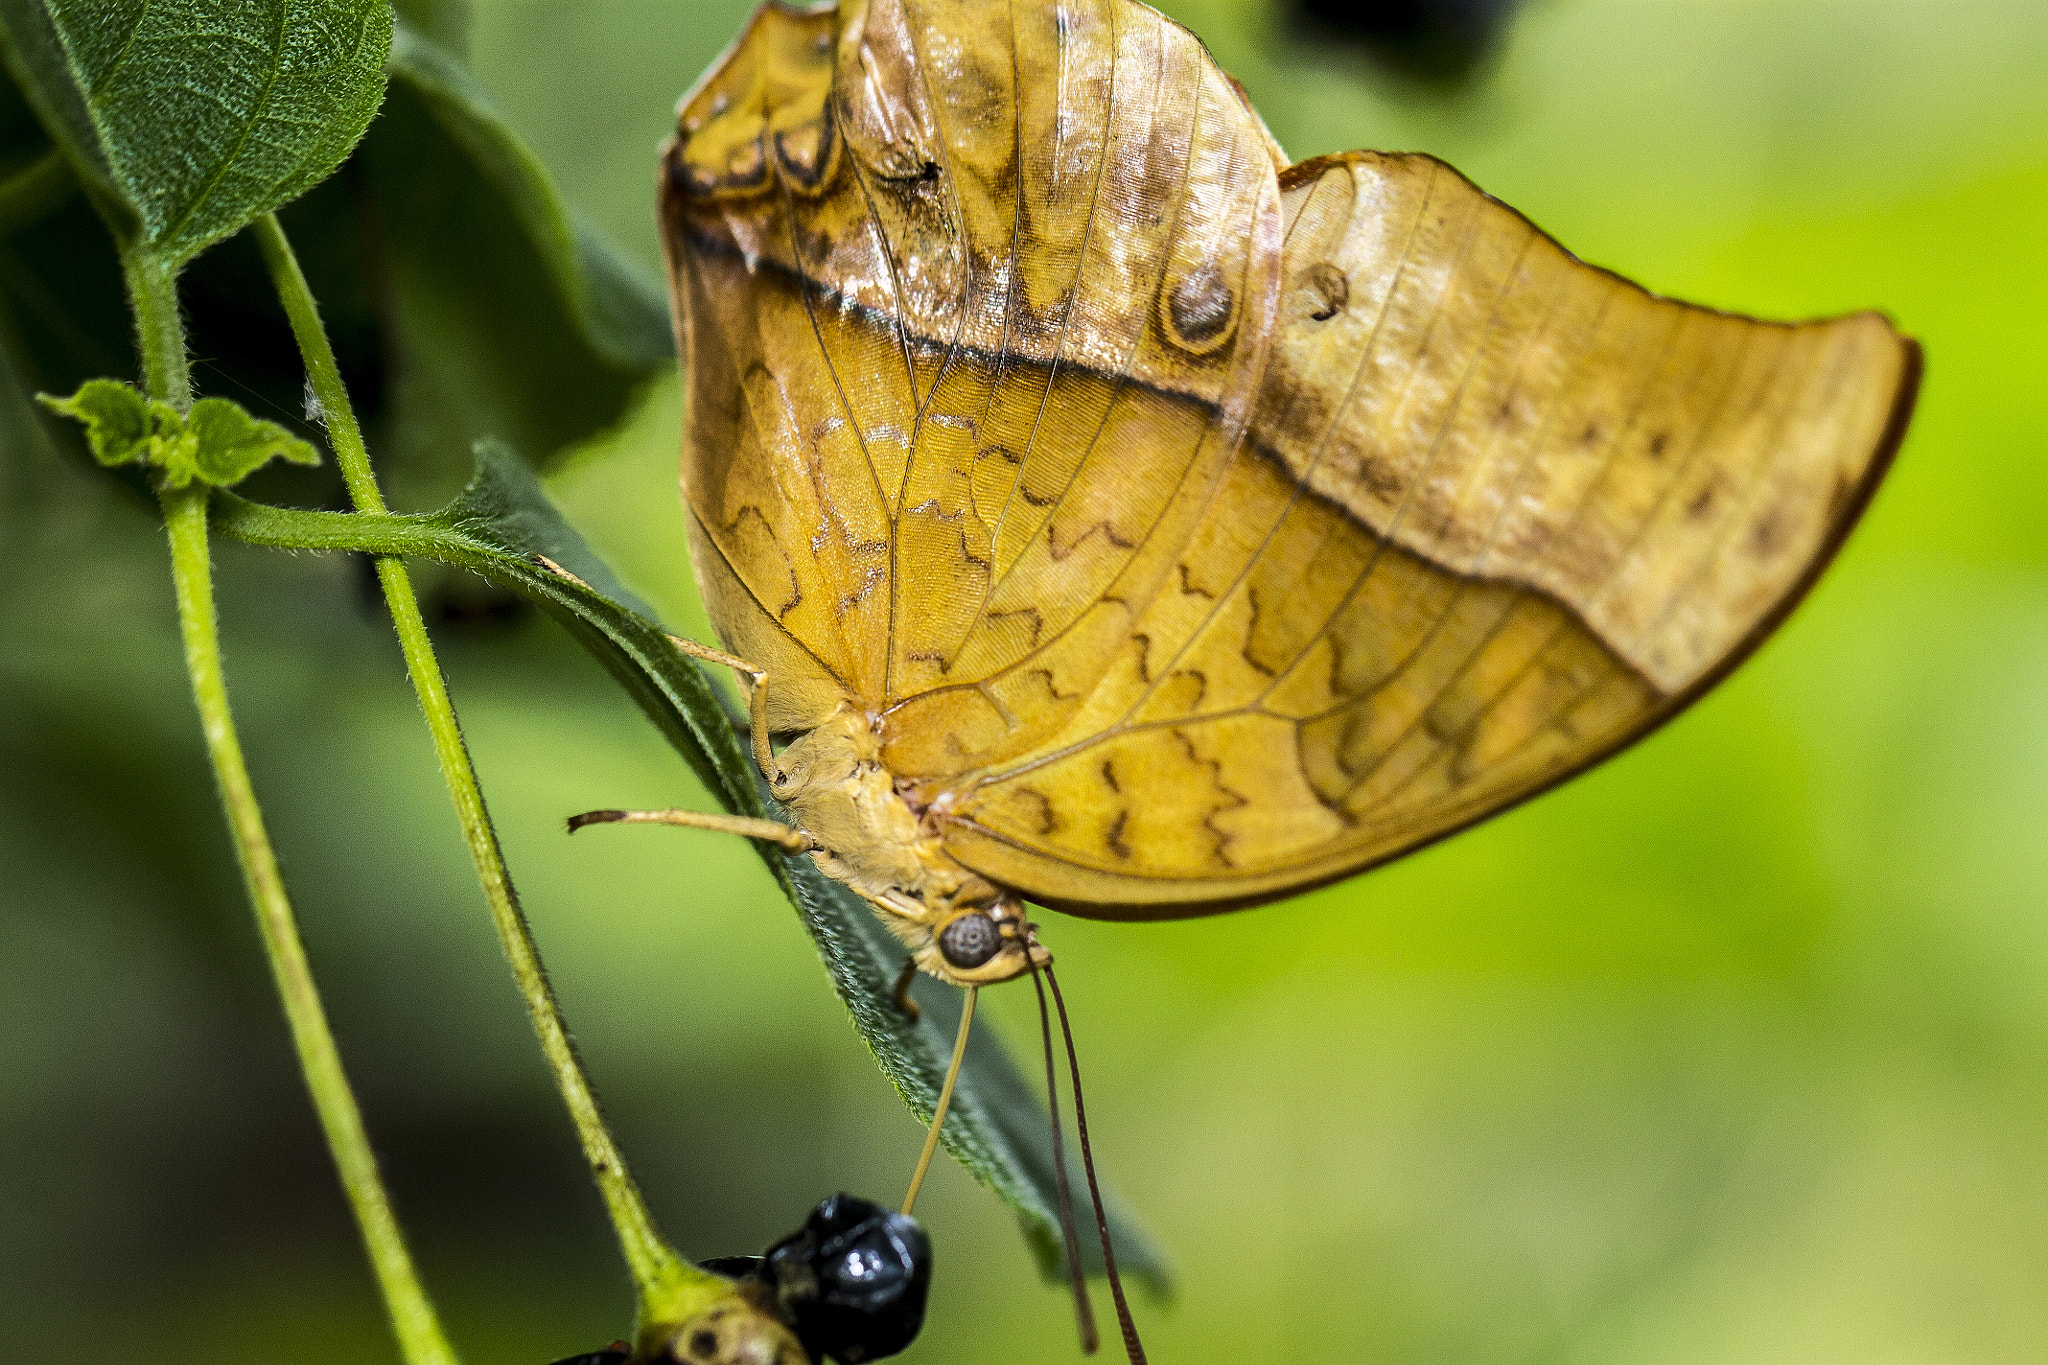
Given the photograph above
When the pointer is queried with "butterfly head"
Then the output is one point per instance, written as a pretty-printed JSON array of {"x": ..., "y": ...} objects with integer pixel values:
[
  {"x": 982, "y": 945},
  {"x": 975, "y": 940}
]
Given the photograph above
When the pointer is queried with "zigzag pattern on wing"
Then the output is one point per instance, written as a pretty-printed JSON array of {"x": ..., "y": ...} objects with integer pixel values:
[
  {"x": 1199, "y": 528},
  {"x": 1509, "y": 512}
]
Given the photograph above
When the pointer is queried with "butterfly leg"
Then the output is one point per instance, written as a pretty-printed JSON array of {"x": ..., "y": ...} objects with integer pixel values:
[
  {"x": 757, "y": 699},
  {"x": 757, "y": 703},
  {"x": 910, "y": 1008},
  {"x": 786, "y": 837}
]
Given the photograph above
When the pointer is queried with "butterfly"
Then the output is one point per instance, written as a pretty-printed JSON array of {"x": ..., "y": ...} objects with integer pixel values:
[{"x": 1112, "y": 515}]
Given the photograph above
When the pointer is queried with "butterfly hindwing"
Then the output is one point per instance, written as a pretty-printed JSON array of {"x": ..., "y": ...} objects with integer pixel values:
[{"x": 1500, "y": 513}]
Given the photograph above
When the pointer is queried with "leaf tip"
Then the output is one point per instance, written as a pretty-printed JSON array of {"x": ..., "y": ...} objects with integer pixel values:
[{"x": 116, "y": 418}]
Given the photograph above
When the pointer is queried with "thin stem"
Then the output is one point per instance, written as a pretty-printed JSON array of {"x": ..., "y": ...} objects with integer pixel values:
[
  {"x": 159, "y": 331},
  {"x": 657, "y": 1269},
  {"x": 160, "y": 336},
  {"x": 412, "y": 1316}
]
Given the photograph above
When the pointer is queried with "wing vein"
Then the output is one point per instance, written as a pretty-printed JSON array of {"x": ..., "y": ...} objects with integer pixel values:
[
  {"x": 1073, "y": 297},
  {"x": 755, "y": 597},
  {"x": 1120, "y": 381},
  {"x": 839, "y": 386},
  {"x": 1336, "y": 421}
]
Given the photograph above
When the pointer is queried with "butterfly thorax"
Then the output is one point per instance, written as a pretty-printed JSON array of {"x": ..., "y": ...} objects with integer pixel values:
[{"x": 958, "y": 925}]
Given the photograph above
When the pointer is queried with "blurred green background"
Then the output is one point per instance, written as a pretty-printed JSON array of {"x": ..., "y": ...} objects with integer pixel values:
[{"x": 1733, "y": 1050}]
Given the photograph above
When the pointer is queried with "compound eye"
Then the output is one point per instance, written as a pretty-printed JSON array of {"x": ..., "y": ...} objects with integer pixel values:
[{"x": 970, "y": 940}]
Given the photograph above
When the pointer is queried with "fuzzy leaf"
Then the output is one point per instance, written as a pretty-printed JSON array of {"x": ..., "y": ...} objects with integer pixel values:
[
  {"x": 217, "y": 443},
  {"x": 504, "y": 527},
  {"x": 229, "y": 445},
  {"x": 199, "y": 117},
  {"x": 116, "y": 417},
  {"x": 464, "y": 297}
]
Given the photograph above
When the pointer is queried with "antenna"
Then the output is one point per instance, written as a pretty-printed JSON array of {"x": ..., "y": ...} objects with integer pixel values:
[
  {"x": 1083, "y": 1309},
  {"x": 1132, "y": 1346},
  {"x": 931, "y": 1140}
]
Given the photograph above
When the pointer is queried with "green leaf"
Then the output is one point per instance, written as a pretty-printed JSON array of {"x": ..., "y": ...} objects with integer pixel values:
[
  {"x": 504, "y": 527},
  {"x": 464, "y": 298},
  {"x": 517, "y": 323},
  {"x": 117, "y": 422},
  {"x": 232, "y": 445},
  {"x": 216, "y": 443},
  {"x": 187, "y": 121}
]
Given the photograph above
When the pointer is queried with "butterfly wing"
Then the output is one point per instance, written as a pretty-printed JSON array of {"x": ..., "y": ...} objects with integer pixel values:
[
  {"x": 974, "y": 302},
  {"x": 1201, "y": 529},
  {"x": 789, "y": 527},
  {"x": 1499, "y": 514}
]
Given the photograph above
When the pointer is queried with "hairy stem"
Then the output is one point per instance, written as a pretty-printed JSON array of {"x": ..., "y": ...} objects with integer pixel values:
[
  {"x": 412, "y": 1316},
  {"x": 160, "y": 336},
  {"x": 660, "y": 1273},
  {"x": 159, "y": 330}
]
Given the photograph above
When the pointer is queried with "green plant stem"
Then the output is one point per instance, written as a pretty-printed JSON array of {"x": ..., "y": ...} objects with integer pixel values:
[
  {"x": 159, "y": 331},
  {"x": 160, "y": 335},
  {"x": 412, "y": 1316},
  {"x": 660, "y": 1273}
]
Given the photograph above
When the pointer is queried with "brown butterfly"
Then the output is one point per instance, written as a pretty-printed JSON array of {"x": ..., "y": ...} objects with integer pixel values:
[{"x": 1117, "y": 517}]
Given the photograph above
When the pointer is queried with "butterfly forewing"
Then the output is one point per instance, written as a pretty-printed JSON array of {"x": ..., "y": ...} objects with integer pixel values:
[
  {"x": 980, "y": 378},
  {"x": 1202, "y": 528}
]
